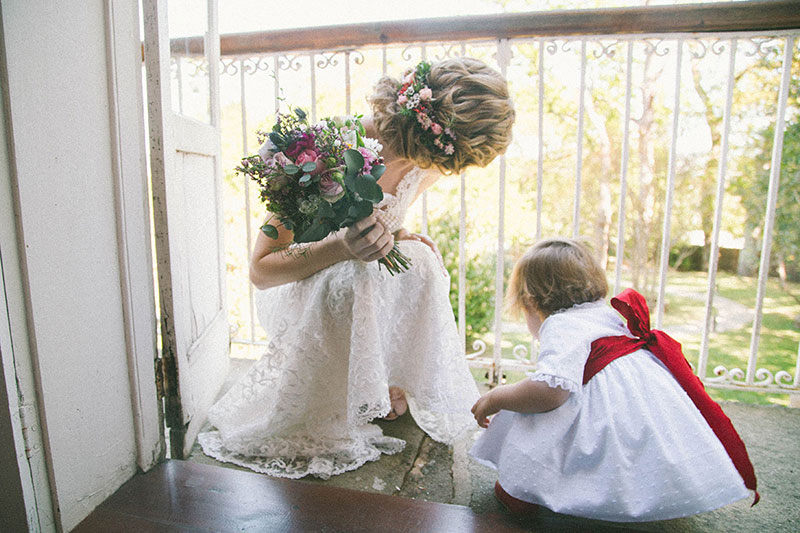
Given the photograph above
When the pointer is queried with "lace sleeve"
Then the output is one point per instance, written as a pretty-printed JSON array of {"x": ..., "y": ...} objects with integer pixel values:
[
  {"x": 564, "y": 342},
  {"x": 554, "y": 381}
]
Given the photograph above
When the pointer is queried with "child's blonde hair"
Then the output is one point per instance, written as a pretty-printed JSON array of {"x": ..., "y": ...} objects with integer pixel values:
[{"x": 555, "y": 274}]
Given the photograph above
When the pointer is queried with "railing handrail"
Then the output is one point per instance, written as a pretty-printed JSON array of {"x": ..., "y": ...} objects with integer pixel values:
[{"x": 770, "y": 15}]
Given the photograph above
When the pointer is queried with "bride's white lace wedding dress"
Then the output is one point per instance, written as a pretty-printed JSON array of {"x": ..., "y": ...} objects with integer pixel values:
[{"x": 337, "y": 341}]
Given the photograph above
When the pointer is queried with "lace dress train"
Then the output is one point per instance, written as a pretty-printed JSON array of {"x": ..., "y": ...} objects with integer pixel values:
[{"x": 338, "y": 340}]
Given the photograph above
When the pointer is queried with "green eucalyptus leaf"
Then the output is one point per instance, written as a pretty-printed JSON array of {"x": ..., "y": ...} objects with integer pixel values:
[
  {"x": 315, "y": 232},
  {"x": 350, "y": 181},
  {"x": 305, "y": 179},
  {"x": 277, "y": 139},
  {"x": 309, "y": 166},
  {"x": 361, "y": 209},
  {"x": 377, "y": 171},
  {"x": 325, "y": 210},
  {"x": 300, "y": 113},
  {"x": 270, "y": 231},
  {"x": 353, "y": 160},
  {"x": 368, "y": 189},
  {"x": 291, "y": 169}
]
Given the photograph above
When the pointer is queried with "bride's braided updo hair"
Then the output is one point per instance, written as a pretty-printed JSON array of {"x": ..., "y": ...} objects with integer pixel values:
[{"x": 468, "y": 96}]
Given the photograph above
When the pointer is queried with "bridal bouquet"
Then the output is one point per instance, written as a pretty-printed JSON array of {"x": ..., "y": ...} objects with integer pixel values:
[{"x": 315, "y": 179}]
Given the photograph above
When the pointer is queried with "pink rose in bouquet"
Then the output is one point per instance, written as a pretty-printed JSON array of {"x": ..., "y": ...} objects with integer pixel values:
[
  {"x": 310, "y": 156},
  {"x": 315, "y": 179}
]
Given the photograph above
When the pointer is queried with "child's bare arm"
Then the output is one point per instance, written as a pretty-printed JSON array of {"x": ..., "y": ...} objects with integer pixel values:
[{"x": 527, "y": 396}]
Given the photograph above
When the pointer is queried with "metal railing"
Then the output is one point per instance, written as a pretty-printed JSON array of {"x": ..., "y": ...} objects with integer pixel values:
[{"x": 270, "y": 65}]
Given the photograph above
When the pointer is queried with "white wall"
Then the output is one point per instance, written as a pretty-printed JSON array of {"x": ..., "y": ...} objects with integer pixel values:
[{"x": 81, "y": 245}]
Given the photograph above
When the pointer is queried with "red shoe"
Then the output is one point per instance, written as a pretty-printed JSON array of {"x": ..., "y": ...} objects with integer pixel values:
[
  {"x": 399, "y": 403},
  {"x": 513, "y": 505}
]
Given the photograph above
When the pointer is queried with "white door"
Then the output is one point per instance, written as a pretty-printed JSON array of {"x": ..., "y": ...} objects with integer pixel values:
[{"x": 181, "y": 57}]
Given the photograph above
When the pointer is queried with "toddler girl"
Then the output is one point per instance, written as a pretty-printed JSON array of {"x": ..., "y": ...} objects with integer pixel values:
[{"x": 613, "y": 425}]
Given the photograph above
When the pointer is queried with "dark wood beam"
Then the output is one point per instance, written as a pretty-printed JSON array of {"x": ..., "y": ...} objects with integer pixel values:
[{"x": 716, "y": 17}]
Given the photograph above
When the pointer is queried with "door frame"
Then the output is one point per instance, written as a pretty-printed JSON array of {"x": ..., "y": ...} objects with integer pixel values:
[{"x": 186, "y": 355}]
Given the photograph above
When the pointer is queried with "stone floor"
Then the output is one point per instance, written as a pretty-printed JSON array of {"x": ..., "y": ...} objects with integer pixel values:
[{"x": 431, "y": 471}]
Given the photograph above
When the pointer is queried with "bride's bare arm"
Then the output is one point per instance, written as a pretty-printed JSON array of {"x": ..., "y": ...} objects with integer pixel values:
[{"x": 271, "y": 264}]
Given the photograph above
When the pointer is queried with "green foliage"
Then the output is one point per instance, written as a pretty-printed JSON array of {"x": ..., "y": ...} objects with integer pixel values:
[
  {"x": 480, "y": 275},
  {"x": 753, "y": 187}
]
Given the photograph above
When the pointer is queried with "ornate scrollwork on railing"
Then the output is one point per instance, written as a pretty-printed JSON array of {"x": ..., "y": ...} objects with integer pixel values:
[
  {"x": 327, "y": 59},
  {"x": 723, "y": 375},
  {"x": 199, "y": 65},
  {"x": 356, "y": 56},
  {"x": 699, "y": 47},
  {"x": 718, "y": 46},
  {"x": 521, "y": 353},
  {"x": 287, "y": 62},
  {"x": 694, "y": 44},
  {"x": 654, "y": 45},
  {"x": 405, "y": 55},
  {"x": 763, "y": 378},
  {"x": 254, "y": 64},
  {"x": 448, "y": 51},
  {"x": 609, "y": 50},
  {"x": 480, "y": 348},
  {"x": 760, "y": 46},
  {"x": 784, "y": 379},
  {"x": 229, "y": 66}
]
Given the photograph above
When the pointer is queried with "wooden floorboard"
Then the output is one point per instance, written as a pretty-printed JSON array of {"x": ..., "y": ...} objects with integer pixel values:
[{"x": 186, "y": 496}]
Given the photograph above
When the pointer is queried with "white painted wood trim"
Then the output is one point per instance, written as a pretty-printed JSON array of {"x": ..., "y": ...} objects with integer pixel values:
[
  {"x": 202, "y": 139},
  {"x": 16, "y": 349},
  {"x": 129, "y": 170}
]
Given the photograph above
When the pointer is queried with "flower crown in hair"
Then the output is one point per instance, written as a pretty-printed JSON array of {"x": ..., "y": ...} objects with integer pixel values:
[{"x": 416, "y": 100}]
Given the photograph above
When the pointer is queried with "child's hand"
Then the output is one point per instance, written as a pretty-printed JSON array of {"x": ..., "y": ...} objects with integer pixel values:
[{"x": 484, "y": 408}]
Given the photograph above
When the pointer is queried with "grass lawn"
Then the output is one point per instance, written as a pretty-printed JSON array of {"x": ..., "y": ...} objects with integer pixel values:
[{"x": 685, "y": 315}]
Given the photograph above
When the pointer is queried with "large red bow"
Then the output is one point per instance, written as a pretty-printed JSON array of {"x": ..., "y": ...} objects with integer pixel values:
[{"x": 633, "y": 307}]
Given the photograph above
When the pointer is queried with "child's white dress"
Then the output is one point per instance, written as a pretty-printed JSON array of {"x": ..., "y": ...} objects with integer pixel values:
[
  {"x": 337, "y": 340},
  {"x": 630, "y": 445}
]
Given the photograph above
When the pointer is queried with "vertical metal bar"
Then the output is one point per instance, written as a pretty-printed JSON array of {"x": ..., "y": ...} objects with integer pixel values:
[
  {"x": 384, "y": 65},
  {"x": 540, "y": 162},
  {"x": 347, "y": 82},
  {"x": 713, "y": 259},
  {"x": 579, "y": 157},
  {"x": 277, "y": 69},
  {"x": 797, "y": 369},
  {"x": 665, "y": 238},
  {"x": 772, "y": 198},
  {"x": 503, "y": 57},
  {"x": 248, "y": 223},
  {"x": 424, "y": 54},
  {"x": 313, "y": 68},
  {"x": 462, "y": 256},
  {"x": 179, "y": 73},
  {"x": 623, "y": 181},
  {"x": 462, "y": 267}
]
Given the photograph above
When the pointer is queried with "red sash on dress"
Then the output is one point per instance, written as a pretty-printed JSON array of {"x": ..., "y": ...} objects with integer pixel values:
[{"x": 633, "y": 307}]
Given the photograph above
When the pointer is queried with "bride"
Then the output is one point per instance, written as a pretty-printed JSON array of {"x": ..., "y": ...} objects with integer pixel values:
[{"x": 349, "y": 342}]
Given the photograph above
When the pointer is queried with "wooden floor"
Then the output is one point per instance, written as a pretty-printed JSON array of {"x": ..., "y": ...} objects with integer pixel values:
[{"x": 186, "y": 496}]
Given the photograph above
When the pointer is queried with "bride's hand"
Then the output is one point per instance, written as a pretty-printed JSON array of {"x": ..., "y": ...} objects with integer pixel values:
[
  {"x": 368, "y": 240},
  {"x": 404, "y": 235}
]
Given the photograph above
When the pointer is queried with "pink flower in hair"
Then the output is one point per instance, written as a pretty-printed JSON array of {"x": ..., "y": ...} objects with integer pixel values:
[
  {"x": 402, "y": 99},
  {"x": 436, "y": 128},
  {"x": 425, "y": 94}
]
